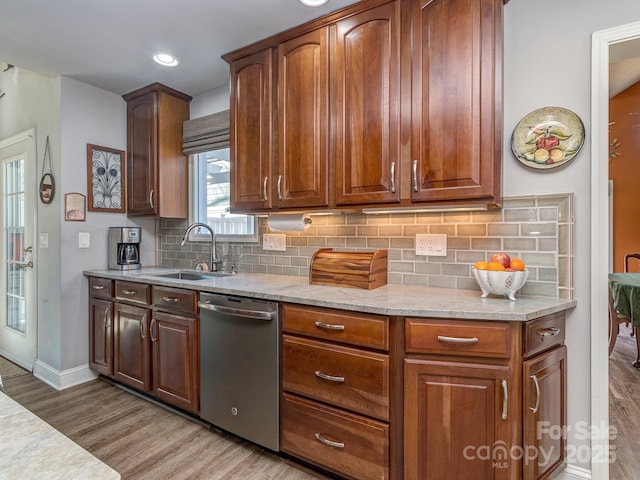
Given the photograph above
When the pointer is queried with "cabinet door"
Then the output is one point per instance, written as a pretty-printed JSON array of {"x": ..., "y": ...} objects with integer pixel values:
[
  {"x": 367, "y": 68},
  {"x": 251, "y": 137},
  {"x": 101, "y": 336},
  {"x": 303, "y": 131},
  {"x": 545, "y": 412},
  {"x": 132, "y": 357},
  {"x": 457, "y": 416},
  {"x": 175, "y": 360},
  {"x": 142, "y": 145},
  {"x": 456, "y": 98}
]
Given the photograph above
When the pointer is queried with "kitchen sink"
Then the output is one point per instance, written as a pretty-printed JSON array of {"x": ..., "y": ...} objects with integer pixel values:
[{"x": 191, "y": 275}]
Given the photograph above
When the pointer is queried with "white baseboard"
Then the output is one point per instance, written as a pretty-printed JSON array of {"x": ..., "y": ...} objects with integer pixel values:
[
  {"x": 65, "y": 379},
  {"x": 573, "y": 472}
]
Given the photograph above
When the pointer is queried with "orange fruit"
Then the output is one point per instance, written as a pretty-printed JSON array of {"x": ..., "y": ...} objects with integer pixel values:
[
  {"x": 516, "y": 264},
  {"x": 495, "y": 266},
  {"x": 480, "y": 265}
]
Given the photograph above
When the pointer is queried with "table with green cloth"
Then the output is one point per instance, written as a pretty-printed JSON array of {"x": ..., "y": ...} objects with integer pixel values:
[{"x": 624, "y": 301}]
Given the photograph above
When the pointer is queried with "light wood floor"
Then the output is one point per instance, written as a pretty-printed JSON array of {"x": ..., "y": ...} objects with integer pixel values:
[
  {"x": 141, "y": 440},
  {"x": 624, "y": 408},
  {"x": 144, "y": 441}
]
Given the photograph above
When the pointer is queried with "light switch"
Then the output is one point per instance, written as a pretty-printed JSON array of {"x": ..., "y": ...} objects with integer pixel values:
[
  {"x": 44, "y": 240},
  {"x": 83, "y": 239}
]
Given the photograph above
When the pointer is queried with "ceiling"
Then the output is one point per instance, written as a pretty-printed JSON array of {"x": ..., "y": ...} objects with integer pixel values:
[
  {"x": 624, "y": 65},
  {"x": 109, "y": 43}
]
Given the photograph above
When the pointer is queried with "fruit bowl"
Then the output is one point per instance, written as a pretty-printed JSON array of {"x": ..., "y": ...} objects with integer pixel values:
[{"x": 500, "y": 282}]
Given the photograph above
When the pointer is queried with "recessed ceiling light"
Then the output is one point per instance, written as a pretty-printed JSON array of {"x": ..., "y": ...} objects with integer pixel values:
[
  {"x": 313, "y": 3},
  {"x": 165, "y": 59}
]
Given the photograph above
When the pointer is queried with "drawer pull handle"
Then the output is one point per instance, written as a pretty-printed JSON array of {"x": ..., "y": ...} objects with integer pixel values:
[
  {"x": 330, "y": 378},
  {"x": 321, "y": 439},
  {"x": 549, "y": 332},
  {"x": 98, "y": 287},
  {"x": 534, "y": 409},
  {"x": 129, "y": 292},
  {"x": 505, "y": 399},
  {"x": 329, "y": 326},
  {"x": 171, "y": 299},
  {"x": 442, "y": 338}
]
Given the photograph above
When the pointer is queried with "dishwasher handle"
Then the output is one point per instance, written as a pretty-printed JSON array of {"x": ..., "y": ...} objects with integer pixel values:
[{"x": 238, "y": 312}]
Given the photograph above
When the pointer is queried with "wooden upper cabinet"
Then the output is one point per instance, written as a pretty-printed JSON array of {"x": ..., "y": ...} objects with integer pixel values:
[
  {"x": 157, "y": 169},
  {"x": 367, "y": 105},
  {"x": 456, "y": 100},
  {"x": 251, "y": 135},
  {"x": 303, "y": 122}
]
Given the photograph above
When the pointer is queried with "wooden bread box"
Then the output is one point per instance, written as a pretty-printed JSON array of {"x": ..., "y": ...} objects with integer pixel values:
[{"x": 349, "y": 269}]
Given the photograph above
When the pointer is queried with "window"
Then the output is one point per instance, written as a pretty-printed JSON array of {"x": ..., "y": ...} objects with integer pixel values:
[
  {"x": 206, "y": 141},
  {"x": 211, "y": 198}
]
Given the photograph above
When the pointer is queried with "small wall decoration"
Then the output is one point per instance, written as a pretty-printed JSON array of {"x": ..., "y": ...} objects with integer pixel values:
[
  {"x": 106, "y": 179},
  {"x": 74, "y": 207},
  {"x": 47, "y": 185},
  {"x": 547, "y": 138}
]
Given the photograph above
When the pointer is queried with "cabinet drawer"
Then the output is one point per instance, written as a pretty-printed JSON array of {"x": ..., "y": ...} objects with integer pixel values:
[
  {"x": 338, "y": 325},
  {"x": 100, "y": 287},
  {"x": 133, "y": 292},
  {"x": 361, "y": 448},
  {"x": 450, "y": 337},
  {"x": 544, "y": 333},
  {"x": 174, "y": 299},
  {"x": 342, "y": 376}
]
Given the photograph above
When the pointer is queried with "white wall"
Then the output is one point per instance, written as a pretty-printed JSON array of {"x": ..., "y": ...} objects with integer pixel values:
[
  {"x": 547, "y": 62},
  {"x": 88, "y": 115}
]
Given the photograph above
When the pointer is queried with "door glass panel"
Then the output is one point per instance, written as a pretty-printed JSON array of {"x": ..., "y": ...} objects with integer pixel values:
[{"x": 14, "y": 244}]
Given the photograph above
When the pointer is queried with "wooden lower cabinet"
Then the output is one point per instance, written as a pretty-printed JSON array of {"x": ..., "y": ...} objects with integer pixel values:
[
  {"x": 335, "y": 439},
  {"x": 481, "y": 405},
  {"x": 147, "y": 337},
  {"x": 454, "y": 411},
  {"x": 545, "y": 408},
  {"x": 101, "y": 335},
  {"x": 175, "y": 364},
  {"x": 337, "y": 378},
  {"x": 132, "y": 347}
]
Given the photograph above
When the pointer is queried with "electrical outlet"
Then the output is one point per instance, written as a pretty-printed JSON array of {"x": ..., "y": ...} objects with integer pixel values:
[
  {"x": 432, "y": 245},
  {"x": 274, "y": 241}
]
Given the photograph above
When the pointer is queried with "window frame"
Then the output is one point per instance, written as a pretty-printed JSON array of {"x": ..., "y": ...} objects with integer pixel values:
[{"x": 194, "y": 210}]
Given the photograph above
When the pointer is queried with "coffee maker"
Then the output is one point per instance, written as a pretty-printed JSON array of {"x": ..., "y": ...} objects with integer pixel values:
[{"x": 124, "y": 248}]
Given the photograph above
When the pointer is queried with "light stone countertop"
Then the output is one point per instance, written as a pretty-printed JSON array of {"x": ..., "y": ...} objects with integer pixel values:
[
  {"x": 395, "y": 300},
  {"x": 31, "y": 449}
]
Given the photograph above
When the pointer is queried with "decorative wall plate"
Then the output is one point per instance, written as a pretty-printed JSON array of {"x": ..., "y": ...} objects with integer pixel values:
[{"x": 547, "y": 138}]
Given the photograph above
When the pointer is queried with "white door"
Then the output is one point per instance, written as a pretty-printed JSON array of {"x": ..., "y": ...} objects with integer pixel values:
[{"x": 17, "y": 249}]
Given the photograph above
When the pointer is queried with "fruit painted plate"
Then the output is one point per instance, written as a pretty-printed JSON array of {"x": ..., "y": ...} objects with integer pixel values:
[{"x": 547, "y": 138}]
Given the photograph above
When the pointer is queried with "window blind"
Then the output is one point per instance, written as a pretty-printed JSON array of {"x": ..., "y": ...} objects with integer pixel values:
[{"x": 203, "y": 134}]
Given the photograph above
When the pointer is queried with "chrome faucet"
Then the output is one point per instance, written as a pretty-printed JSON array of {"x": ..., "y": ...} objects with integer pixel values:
[{"x": 213, "y": 263}]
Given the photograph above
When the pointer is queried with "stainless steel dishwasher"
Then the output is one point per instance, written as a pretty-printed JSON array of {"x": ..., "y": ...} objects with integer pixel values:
[{"x": 239, "y": 373}]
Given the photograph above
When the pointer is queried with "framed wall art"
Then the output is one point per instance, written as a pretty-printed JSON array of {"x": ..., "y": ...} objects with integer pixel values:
[
  {"x": 74, "y": 207},
  {"x": 105, "y": 179}
]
